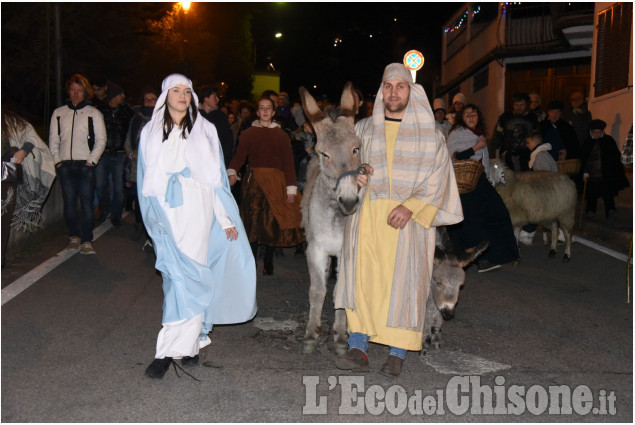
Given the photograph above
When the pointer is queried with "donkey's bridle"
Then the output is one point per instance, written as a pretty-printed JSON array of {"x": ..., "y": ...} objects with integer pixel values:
[{"x": 361, "y": 170}]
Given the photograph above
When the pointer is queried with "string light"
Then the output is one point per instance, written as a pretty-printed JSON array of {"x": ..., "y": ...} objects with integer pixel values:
[
  {"x": 509, "y": 3},
  {"x": 459, "y": 22}
]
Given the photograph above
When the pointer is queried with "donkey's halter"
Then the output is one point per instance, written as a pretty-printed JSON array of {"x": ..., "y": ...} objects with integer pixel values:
[
  {"x": 361, "y": 170},
  {"x": 501, "y": 176}
]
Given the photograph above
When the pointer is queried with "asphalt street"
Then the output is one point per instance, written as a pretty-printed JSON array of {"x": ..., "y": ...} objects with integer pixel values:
[{"x": 75, "y": 345}]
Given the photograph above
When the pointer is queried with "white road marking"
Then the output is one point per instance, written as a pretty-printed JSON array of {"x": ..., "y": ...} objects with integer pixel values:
[
  {"x": 459, "y": 363},
  {"x": 601, "y": 248},
  {"x": 16, "y": 287}
]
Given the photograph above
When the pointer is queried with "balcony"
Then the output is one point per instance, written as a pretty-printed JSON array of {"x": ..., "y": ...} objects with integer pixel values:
[
  {"x": 575, "y": 20},
  {"x": 548, "y": 27},
  {"x": 515, "y": 33}
]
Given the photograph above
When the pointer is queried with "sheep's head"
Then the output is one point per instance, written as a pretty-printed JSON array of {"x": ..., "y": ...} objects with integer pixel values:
[{"x": 497, "y": 172}]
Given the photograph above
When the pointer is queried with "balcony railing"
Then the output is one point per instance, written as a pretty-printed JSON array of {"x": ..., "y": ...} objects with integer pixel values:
[{"x": 529, "y": 24}]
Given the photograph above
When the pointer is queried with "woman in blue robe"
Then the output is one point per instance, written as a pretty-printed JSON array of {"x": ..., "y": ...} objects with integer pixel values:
[{"x": 203, "y": 254}]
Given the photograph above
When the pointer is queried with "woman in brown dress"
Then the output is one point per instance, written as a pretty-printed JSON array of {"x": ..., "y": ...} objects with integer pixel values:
[{"x": 270, "y": 204}]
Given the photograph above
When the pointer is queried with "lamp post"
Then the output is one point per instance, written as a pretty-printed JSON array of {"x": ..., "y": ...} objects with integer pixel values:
[{"x": 185, "y": 7}]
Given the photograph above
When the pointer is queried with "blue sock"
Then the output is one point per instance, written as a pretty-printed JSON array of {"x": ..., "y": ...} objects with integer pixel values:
[
  {"x": 359, "y": 341},
  {"x": 398, "y": 352}
]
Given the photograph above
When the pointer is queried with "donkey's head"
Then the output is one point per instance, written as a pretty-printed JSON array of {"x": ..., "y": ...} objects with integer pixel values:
[
  {"x": 448, "y": 277},
  {"x": 337, "y": 147}
]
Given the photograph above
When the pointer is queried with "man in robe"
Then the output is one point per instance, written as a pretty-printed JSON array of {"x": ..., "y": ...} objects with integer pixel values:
[{"x": 389, "y": 242}]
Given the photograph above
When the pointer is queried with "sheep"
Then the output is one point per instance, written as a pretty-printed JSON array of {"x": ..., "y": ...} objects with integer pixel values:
[
  {"x": 448, "y": 277},
  {"x": 541, "y": 197}
]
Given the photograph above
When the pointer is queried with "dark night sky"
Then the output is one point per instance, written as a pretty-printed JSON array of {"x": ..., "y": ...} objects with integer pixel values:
[
  {"x": 305, "y": 55},
  {"x": 108, "y": 40}
]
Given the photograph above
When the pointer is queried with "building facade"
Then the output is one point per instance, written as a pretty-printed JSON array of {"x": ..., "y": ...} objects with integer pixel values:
[
  {"x": 611, "y": 91},
  {"x": 493, "y": 50}
]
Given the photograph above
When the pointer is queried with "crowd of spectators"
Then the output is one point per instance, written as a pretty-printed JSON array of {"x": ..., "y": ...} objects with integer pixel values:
[{"x": 94, "y": 139}]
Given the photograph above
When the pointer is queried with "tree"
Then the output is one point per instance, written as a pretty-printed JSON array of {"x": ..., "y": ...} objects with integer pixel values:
[
  {"x": 132, "y": 44},
  {"x": 211, "y": 43}
]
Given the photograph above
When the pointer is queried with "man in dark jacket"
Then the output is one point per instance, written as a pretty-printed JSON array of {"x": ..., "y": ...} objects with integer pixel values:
[
  {"x": 209, "y": 110},
  {"x": 511, "y": 131},
  {"x": 117, "y": 115},
  {"x": 578, "y": 116},
  {"x": 559, "y": 133},
  {"x": 603, "y": 170}
]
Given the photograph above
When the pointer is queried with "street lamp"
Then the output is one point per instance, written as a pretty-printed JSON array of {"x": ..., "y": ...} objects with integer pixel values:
[
  {"x": 185, "y": 5},
  {"x": 278, "y": 34}
]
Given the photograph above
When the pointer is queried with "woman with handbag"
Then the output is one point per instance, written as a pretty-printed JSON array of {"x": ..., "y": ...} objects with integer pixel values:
[
  {"x": 28, "y": 172},
  {"x": 485, "y": 215}
]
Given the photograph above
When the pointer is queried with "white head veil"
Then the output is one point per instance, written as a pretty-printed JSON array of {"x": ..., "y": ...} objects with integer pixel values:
[
  {"x": 169, "y": 82},
  {"x": 202, "y": 153}
]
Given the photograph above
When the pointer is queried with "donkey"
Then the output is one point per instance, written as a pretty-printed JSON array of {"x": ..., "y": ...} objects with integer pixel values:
[
  {"x": 330, "y": 195},
  {"x": 448, "y": 278}
]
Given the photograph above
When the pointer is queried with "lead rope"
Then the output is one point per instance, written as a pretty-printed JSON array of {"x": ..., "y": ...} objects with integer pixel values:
[{"x": 361, "y": 170}]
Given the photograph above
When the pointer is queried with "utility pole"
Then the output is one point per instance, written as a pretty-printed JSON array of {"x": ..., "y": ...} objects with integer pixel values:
[
  {"x": 58, "y": 56},
  {"x": 47, "y": 82}
]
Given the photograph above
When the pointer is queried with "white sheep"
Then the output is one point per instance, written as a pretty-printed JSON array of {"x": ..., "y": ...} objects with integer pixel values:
[{"x": 541, "y": 197}]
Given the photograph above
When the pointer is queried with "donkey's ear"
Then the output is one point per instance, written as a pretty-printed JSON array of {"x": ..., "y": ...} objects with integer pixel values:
[
  {"x": 348, "y": 106},
  {"x": 348, "y": 103},
  {"x": 312, "y": 111},
  {"x": 439, "y": 256},
  {"x": 466, "y": 258}
]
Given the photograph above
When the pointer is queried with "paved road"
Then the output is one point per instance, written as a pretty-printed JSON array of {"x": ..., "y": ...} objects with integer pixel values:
[{"x": 76, "y": 343}]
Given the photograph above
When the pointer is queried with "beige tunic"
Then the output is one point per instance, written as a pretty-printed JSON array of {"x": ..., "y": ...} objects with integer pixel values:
[{"x": 375, "y": 266}]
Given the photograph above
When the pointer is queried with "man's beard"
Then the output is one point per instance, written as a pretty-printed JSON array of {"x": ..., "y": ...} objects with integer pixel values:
[{"x": 397, "y": 108}]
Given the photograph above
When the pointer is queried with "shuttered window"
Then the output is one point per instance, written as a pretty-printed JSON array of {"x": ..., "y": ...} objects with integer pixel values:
[{"x": 613, "y": 48}]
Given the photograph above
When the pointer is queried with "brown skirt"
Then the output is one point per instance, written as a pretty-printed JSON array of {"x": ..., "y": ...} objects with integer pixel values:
[{"x": 260, "y": 222}]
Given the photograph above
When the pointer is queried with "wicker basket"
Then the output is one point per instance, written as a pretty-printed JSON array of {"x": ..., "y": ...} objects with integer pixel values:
[
  {"x": 569, "y": 166},
  {"x": 467, "y": 173}
]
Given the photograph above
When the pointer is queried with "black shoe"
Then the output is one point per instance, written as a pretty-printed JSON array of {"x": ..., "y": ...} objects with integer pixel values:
[
  {"x": 189, "y": 361},
  {"x": 354, "y": 360},
  {"x": 158, "y": 367},
  {"x": 392, "y": 367},
  {"x": 115, "y": 223},
  {"x": 487, "y": 266}
]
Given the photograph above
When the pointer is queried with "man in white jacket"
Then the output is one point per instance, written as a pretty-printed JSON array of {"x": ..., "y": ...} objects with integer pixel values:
[{"x": 77, "y": 138}]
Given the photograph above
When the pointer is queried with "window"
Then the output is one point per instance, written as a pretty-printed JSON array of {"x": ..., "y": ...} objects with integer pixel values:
[
  {"x": 482, "y": 16},
  {"x": 480, "y": 79},
  {"x": 613, "y": 48},
  {"x": 455, "y": 41}
]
